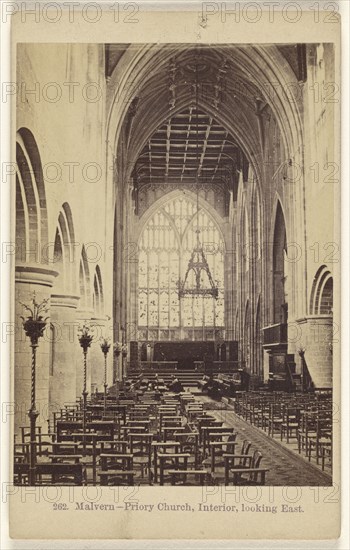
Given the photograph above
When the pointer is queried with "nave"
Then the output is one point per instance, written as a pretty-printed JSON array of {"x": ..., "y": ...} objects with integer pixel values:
[
  {"x": 191, "y": 237},
  {"x": 145, "y": 437}
]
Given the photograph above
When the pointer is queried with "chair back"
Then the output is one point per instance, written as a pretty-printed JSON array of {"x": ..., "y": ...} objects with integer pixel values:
[
  {"x": 256, "y": 461},
  {"x": 245, "y": 450},
  {"x": 230, "y": 440},
  {"x": 140, "y": 444}
]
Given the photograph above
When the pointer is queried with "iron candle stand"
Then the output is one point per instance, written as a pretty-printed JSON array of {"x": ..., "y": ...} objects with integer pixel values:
[
  {"x": 85, "y": 339},
  {"x": 117, "y": 347},
  {"x": 105, "y": 345},
  {"x": 34, "y": 327}
]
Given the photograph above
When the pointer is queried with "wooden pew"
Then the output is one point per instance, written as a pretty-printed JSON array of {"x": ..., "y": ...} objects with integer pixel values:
[
  {"x": 176, "y": 460},
  {"x": 116, "y": 469},
  {"x": 179, "y": 477},
  {"x": 162, "y": 447}
]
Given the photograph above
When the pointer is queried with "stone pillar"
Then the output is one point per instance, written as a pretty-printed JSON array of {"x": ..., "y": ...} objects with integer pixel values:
[
  {"x": 30, "y": 279},
  {"x": 266, "y": 366},
  {"x": 133, "y": 296},
  {"x": 117, "y": 367},
  {"x": 134, "y": 354},
  {"x": 229, "y": 298},
  {"x": 63, "y": 368},
  {"x": 316, "y": 337}
]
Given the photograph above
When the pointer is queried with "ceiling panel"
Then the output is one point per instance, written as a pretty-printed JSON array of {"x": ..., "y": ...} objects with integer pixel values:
[{"x": 189, "y": 146}]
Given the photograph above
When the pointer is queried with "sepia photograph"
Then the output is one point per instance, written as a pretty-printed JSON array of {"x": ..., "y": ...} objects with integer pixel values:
[
  {"x": 175, "y": 270},
  {"x": 176, "y": 326}
]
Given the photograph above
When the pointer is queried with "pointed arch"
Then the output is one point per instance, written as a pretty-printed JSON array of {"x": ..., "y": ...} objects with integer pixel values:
[
  {"x": 166, "y": 241},
  {"x": 280, "y": 304},
  {"x": 84, "y": 280},
  {"x": 321, "y": 299},
  {"x": 31, "y": 211},
  {"x": 98, "y": 298},
  {"x": 254, "y": 64},
  {"x": 189, "y": 196},
  {"x": 64, "y": 252}
]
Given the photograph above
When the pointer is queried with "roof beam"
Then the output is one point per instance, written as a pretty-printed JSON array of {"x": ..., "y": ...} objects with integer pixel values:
[
  {"x": 205, "y": 143},
  {"x": 220, "y": 155},
  {"x": 186, "y": 143}
]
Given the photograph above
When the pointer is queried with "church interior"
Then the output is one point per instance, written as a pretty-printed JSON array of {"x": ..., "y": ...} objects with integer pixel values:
[{"x": 186, "y": 336}]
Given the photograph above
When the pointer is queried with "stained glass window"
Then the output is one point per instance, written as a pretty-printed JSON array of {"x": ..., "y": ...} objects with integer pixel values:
[{"x": 165, "y": 247}]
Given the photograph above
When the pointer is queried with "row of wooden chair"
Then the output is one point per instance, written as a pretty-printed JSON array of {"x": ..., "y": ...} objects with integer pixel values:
[
  {"x": 306, "y": 418},
  {"x": 147, "y": 444}
]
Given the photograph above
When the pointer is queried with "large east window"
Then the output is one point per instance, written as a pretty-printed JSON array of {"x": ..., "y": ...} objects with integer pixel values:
[{"x": 165, "y": 247}]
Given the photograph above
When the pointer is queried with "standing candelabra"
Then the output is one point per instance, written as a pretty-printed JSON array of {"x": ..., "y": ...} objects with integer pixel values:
[
  {"x": 34, "y": 327},
  {"x": 124, "y": 356},
  {"x": 124, "y": 350},
  {"x": 85, "y": 338},
  {"x": 117, "y": 347},
  {"x": 105, "y": 345}
]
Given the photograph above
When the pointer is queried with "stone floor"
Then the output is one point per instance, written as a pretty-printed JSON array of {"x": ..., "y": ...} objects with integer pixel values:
[{"x": 286, "y": 466}]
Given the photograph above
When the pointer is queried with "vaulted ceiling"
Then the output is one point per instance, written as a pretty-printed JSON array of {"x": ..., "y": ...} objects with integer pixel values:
[
  {"x": 197, "y": 112},
  {"x": 190, "y": 146}
]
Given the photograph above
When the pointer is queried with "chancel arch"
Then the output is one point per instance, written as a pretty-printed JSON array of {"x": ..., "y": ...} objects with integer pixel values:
[{"x": 150, "y": 60}]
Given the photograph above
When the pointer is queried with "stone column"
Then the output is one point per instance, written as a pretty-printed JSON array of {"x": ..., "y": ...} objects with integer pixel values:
[
  {"x": 117, "y": 367},
  {"x": 134, "y": 354},
  {"x": 317, "y": 338},
  {"x": 30, "y": 279},
  {"x": 266, "y": 366},
  {"x": 133, "y": 264},
  {"x": 63, "y": 369},
  {"x": 229, "y": 298}
]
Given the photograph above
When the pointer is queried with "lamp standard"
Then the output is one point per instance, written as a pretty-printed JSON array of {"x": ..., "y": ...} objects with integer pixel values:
[
  {"x": 34, "y": 327},
  {"x": 124, "y": 350},
  {"x": 304, "y": 381},
  {"x": 85, "y": 338},
  {"x": 105, "y": 345},
  {"x": 117, "y": 347}
]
